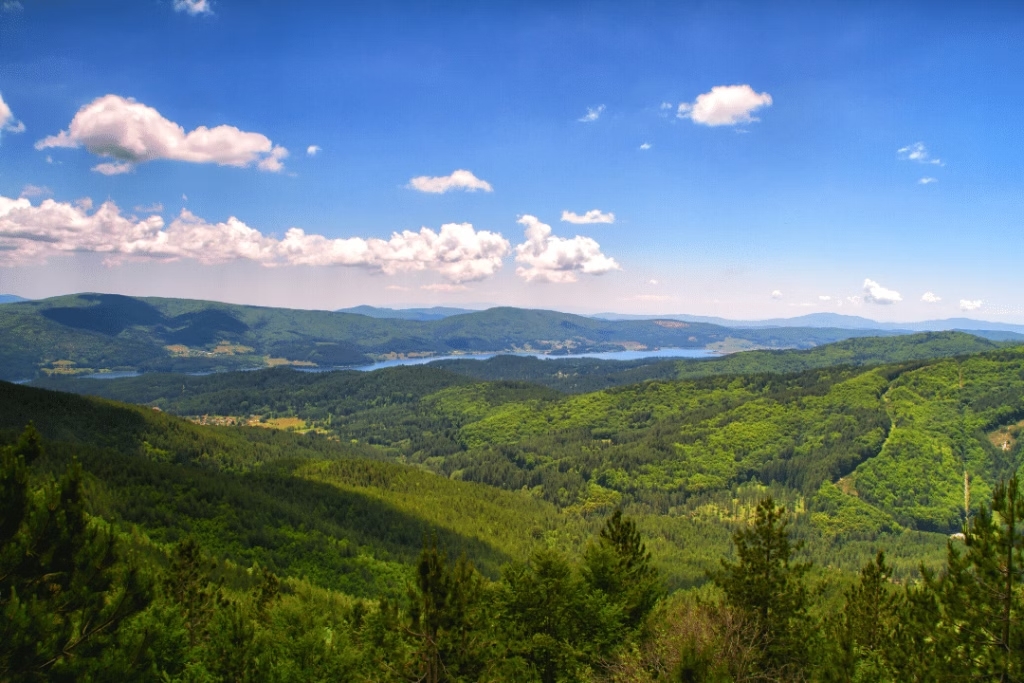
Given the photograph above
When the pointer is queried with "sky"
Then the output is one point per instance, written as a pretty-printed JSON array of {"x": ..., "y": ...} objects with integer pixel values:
[{"x": 745, "y": 160}]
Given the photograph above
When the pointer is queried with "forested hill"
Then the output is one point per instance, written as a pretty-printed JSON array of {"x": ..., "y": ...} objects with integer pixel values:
[
  {"x": 322, "y": 543},
  {"x": 94, "y": 332},
  {"x": 899, "y": 435}
]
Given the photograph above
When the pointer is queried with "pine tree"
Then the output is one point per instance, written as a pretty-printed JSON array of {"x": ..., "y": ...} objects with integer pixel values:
[
  {"x": 445, "y": 617},
  {"x": 768, "y": 590},
  {"x": 64, "y": 592},
  {"x": 981, "y": 590},
  {"x": 619, "y": 564}
]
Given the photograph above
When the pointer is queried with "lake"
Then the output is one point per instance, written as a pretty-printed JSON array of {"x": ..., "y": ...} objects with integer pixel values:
[{"x": 604, "y": 355}]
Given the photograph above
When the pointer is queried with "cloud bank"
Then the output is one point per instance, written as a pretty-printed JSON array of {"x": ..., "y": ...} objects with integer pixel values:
[
  {"x": 458, "y": 180},
  {"x": 725, "y": 105},
  {"x": 32, "y": 234},
  {"x": 131, "y": 133},
  {"x": 592, "y": 216},
  {"x": 546, "y": 258}
]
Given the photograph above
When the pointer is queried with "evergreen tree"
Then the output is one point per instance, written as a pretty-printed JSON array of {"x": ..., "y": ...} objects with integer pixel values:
[
  {"x": 767, "y": 588},
  {"x": 864, "y": 634},
  {"x": 446, "y": 617},
  {"x": 981, "y": 590},
  {"x": 620, "y": 565},
  {"x": 63, "y": 590}
]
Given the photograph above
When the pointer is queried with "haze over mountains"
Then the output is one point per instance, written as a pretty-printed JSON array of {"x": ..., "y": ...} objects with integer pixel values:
[{"x": 829, "y": 320}]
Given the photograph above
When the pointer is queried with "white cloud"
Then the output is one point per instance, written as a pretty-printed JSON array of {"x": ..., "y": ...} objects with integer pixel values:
[
  {"x": 32, "y": 234},
  {"x": 930, "y": 298},
  {"x": 969, "y": 305},
  {"x": 593, "y": 114},
  {"x": 457, "y": 252},
  {"x": 824, "y": 297},
  {"x": 653, "y": 283},
  {"x": 776, "y": 294},
  {"x": 856, "y": 300},
  {"x": 193, "y": 7},
  {"x": 646, "y": 146},
  {"x": 919, "y": 153},
  {"x": 272, "y": 162},
  {"x": 132, "y": 133},
  {"x": 7, "y": 120},
  {"x": 114, "y": 168},
  {"x": 666, "y": 105},
  {"x": 458, "y": 180},
  {"x": 592, "y": 216},
  {"x": 443, "y": 287},
  {"x": 156, "y": 207},
  {"x": 875, "y": 293},
  {"x": 725, "y": 105},
  {"x": 927, "y": 181},
  {"x": 556, "y": 259},
  {"x": 312, "y": 150},
  {"x": 12, "y": 6},
  {"x": 31, "y": 191}
]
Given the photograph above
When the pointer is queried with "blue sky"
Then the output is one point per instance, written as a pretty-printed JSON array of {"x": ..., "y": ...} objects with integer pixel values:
[{"x": 750, "y": 156}]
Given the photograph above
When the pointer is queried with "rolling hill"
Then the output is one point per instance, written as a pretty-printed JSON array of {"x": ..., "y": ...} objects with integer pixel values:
[{"x": 88, "y": 333}]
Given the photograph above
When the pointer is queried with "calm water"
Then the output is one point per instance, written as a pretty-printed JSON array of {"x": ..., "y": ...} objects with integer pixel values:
[{"x": 606, "y": 355}]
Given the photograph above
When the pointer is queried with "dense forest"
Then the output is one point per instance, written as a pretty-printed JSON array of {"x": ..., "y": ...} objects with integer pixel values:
[{"x": 778, "y": 516}]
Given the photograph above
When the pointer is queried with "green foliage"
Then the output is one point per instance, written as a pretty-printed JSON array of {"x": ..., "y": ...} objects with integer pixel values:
[
  {"x": 768, "y": 590},
  {"x": 64, "y": 591}
]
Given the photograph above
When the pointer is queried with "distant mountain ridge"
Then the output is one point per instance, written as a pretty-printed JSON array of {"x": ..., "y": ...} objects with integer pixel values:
[
  {"x": 831, "y": 320},
  {"x": 88, "y": 333},
  {"x": 10, "y": 299},
  {"x": 433, "y": 313}
]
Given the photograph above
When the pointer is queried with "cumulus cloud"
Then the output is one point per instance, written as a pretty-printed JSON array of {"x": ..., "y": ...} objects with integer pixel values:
[
  {"x": 592, "y": 216},
  {"x": 458, "y": 252},
  {"x": 927, "y": 180},
  {"x": 919, "y": 153},
  {"x": 930, "y": 298},
  {"x": 458, "y": 180},
  {"x": 546, "y": 258},
  {"x": 645, "y": 146},
  {"x": 7, "y": 121},
  {"x": 875, "y": 293},
  {"x": 32, "y": 234},
  {"x": 725, "y": 105},
  {"x": 970, "y": 305},
  {"x": 193, "y": 7},
  {"x": 776, "y": 294},
  {"x": 312, "y": 150},
  {"x": 593, "y": 114},
  {"x": 132, "y": 133}
]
